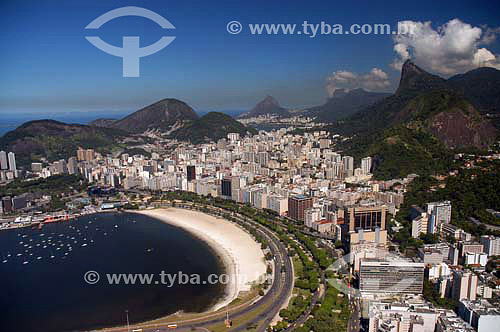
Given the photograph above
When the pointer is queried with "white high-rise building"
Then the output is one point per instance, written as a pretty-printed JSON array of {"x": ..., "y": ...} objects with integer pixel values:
[
  {"x": 464, "y": 285},
  {"x": 12, "y": 163},
  {"x": 348, "y": 165},
  {"x": 311, "y": 215},
  {"x": 3, "y": 160},
  {"x": 439, "y": 213},
  {"x": 366, "y": 165},
  {"x": 491, "y": 245}
]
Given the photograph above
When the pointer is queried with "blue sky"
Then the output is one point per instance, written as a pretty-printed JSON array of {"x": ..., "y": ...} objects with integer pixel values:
[{"x": 47, "y": 64}]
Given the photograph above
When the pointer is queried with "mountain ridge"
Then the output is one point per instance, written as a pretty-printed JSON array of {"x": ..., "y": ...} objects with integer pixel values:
[
  {"x": 53, "y": 140},
  {"x": 163, "y": 115},
  {"x": 426, "y": 113},
  {"x": 210, "y": 127},
  {"x": 344, "y": 103},
  {"x": 268, "y": 106}
]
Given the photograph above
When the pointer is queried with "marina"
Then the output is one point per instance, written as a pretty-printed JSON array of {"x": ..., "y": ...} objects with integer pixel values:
[{"x": 36, "y": 264}]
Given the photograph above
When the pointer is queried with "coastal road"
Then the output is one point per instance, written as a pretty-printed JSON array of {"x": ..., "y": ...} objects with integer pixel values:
[{"x": 272, "y": 300}]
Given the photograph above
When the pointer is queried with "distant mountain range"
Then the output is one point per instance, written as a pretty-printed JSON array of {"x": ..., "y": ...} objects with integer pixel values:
[
  {"x": 344, "y": 103},
  {"x": 416, "y": 129},
  {"x": 54, "y": 140},
  {"x": 428, "y": 118},
  {"x": 176, "y": 119},
  {"x": 268, "y": 106}
]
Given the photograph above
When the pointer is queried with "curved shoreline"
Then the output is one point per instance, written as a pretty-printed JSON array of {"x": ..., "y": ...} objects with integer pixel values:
[{"x": 241, "y": 256}]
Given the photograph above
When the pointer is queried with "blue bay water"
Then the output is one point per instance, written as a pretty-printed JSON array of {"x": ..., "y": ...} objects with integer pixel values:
[{"x": 49, "y": 293}]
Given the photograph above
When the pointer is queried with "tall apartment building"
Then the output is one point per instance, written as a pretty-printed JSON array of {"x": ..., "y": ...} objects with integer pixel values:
[
  {"x": 464, "y": 285},
  {"x": 277, "y": 203},
  {"x": 85, "y": 154},
  {"x": 348, "y": 162},
  {"x": 297, "y": 206},
  {"x": 4, "y": 164},
  {"x": 233, "y": 137},
  {"x": 366, "y": 165},
  {"x": 364, "y": 224},
  {"x": 226, "y": 187},
  {"x": 263, "y": 158},
  {"x": 439, "y": 213},
  {"x": 391, "y": 277},
  {"x": 311, "y": 216},
  {"x": 491, "y": 245},
  {"x": 12, "y": 162},
  {"x": 365, "y": 217},
  {"x": 72, "y": 165},
  {"x": 191, "y": 172},
  {"x": 419, "y": 221},
  {"x": 7, "y": 204}
]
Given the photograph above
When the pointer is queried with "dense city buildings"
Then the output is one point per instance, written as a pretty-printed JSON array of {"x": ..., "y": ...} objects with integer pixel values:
[{"x": 303, "y": 178}]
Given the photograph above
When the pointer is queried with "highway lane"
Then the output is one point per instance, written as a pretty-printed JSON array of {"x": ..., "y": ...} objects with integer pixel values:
[{"x": 354, "y": 320}]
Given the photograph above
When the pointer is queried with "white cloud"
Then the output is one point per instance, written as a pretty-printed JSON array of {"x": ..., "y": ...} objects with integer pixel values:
[
  {"x": 450, "y": 49},
  {"x": 376, "y": 79},
  {"x": 489, "y": 35}
]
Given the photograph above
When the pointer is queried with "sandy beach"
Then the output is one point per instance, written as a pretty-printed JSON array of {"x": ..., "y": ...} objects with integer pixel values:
[{"x": 241, "y": 255}]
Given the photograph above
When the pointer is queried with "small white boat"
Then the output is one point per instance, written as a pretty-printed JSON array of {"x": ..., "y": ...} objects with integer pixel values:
[
  {"x": 25, "y": 262},
  {"x": 84, "y": 245}
]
